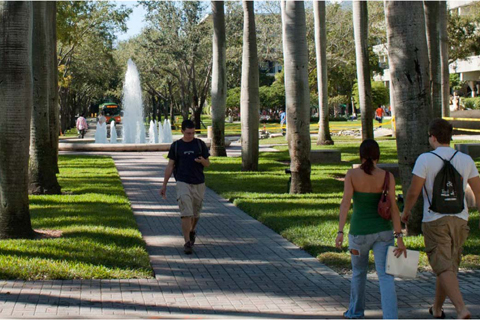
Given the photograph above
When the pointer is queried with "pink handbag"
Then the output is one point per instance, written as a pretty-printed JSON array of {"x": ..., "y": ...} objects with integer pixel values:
[{"x": 385, "y": 205}]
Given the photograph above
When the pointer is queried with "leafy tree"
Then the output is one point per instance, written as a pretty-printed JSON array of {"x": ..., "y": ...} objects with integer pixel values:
[
  {"x": 380, "y": 94},
  {"x": 463, "y": 35},
  {"x": 86, "y": 33},
  {"x": 178, "y": 42}
]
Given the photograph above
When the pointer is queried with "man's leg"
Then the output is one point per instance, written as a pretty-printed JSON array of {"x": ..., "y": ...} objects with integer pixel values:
[
  {"x": 440, "y": 296},
  {"x": 187, "y": 227},
  {"x": 449, "y": 283}
]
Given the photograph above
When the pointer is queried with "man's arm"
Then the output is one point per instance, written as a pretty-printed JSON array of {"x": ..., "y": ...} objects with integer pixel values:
[
  {"x": 203, "y": 161},
  {"x": 475, "y": 185},
  {"x": 412, "y": 196},
  {"x": 168, "y": 174}
]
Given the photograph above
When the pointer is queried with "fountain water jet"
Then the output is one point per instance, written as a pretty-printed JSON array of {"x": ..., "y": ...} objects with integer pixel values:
[
  {"x": 161, "y": 135},
  {"x": 113, "y": 133},
  {"x": 167, "y": 132},
  {"x": 133, "y": 127}
]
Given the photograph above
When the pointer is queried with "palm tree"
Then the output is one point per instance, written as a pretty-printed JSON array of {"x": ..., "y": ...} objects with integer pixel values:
[
  {"x": 297, "y": 95},
  {"x": 321, "y": 50},
  {"x": 219, "y": 80},
  {"x": 408, "y": 56},
  {"x": 443, "y": 17},
  {"x": 249, "y": 97},
  {"x": 42, "y": 174},
  {"x": 53, "y": 109},
  {"x": 360, "y": 27},
  {"x": 432, "y": 22},
  {"x": 16, "y": 94}
]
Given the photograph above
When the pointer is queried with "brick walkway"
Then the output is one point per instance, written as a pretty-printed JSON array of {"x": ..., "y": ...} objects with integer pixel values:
[{"x": 240, "y": 268}]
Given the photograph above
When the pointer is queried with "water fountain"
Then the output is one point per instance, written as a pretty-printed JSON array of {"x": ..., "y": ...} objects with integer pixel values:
[
  {"x": 151, "y": 132},
  {"x": 101, "y": 133},
  {"x": 133, "y": 127},
  {"x": 167, "y": 132},
  {"x": 113, "y": 133},
  {"x": 160, "y": 132}
]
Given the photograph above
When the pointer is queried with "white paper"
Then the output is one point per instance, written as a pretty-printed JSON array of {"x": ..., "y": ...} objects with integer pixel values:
[{"x": 402, "y": 267}]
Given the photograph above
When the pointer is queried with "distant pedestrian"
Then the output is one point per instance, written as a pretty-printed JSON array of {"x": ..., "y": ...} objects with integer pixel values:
[
  {"x": 82, "y": 126},
  {"x": 379, "y": 113},
  {"x": 445, "y": 211},
  {"x": 283, "y": 121},
  {"x": 187, "y": 158},
  {"x": 369, "y": 231}
]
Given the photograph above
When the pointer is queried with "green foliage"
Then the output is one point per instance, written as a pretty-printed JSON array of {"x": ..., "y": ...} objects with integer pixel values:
[
  {"x": 471, "y": 103},
  {"x": 311, "y": 220},
  {"x": 380, "y": 94},
  {"x": 455, "y": 82},
  {"x": 233, "y": 97},
  {"x": 100, "y": 236},
  {"x": 463, "y": 33}
]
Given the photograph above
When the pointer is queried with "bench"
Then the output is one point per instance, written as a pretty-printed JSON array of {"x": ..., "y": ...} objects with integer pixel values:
[
  {"x": 472, "y": 149},
  {"x": 390, "y": 167},
  {"x": 325, "y": 156}
]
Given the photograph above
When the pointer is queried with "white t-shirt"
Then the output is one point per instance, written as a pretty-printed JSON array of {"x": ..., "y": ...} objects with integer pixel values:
[{"x": 427, "y": 167}]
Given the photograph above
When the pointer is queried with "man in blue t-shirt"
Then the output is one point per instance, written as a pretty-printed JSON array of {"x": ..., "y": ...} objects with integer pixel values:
[{"x": 187, "y": 158}]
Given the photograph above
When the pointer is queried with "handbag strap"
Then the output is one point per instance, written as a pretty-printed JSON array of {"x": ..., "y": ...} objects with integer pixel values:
[{"x": 386, "y": 183}]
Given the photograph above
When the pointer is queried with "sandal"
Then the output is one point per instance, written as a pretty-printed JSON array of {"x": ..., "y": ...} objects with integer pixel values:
[{"x": 431, "y": 313}]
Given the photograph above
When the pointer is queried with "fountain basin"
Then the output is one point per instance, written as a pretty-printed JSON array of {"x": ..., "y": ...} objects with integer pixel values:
[{"x": 122, "y": 147}]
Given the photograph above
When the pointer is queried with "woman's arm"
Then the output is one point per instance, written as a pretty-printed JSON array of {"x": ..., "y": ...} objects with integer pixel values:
[
  {"x": 397, "y": 226},
  {"x": 344, "y": 207}
]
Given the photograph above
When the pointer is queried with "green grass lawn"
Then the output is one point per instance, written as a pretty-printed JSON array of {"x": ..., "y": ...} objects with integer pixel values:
[
  {"x": 100, "y": 236},
  {"x": 235, "y": 128},
  {"x": 311, "y": 220}
]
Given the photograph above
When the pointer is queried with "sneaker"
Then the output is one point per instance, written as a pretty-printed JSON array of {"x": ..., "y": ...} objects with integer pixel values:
[
  {"x": 187, "y": 248},
  {"x": 193, "y": 236}
]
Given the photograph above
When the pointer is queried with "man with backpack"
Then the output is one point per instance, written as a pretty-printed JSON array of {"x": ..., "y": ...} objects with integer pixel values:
[
  {"x": 187, "y": 158},
  {"x": 443, "y": 175}
]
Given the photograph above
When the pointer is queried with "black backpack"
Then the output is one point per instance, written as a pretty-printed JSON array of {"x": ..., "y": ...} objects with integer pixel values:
[{"x": 448, "y": 194}]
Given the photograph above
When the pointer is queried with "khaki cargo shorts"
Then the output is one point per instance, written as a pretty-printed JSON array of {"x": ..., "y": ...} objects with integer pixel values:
[
  {"x": 190, "y": 198},
  {"x": 444, "y": 239}
]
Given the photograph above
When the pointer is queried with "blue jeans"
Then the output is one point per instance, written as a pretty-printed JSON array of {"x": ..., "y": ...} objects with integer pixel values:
[{"x": 379, "y": 242}]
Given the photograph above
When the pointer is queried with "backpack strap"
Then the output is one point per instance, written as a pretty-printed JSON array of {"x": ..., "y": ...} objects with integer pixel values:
[
  {"x": 200, "y": 146},
  {"x": 453, "y": 156}
]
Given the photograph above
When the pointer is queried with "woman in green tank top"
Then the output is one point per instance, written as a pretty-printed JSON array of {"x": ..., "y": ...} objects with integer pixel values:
[{"x": 369, "y": 231}]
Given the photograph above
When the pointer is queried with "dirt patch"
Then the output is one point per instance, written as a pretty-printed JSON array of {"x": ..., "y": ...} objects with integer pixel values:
[
  {"x": 339, "y": 177},
  {"x": 47, "y": 234}
]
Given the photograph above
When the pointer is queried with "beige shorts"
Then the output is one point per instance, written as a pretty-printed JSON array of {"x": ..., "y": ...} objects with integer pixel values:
[
  {"x": 444, "y": 239},
  {"x": 190, "y": 198}
]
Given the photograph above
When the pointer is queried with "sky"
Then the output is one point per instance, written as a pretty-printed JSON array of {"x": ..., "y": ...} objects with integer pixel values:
[{"x": 135, "y": 22}]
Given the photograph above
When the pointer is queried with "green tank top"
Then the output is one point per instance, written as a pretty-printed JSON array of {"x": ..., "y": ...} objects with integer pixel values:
[{"x": 365, "y": 218}]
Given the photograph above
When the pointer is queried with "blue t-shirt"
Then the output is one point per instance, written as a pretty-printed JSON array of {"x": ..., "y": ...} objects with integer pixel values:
[
  {"x": 186, "y": 169},
  {"x": 283, "y": 117}
]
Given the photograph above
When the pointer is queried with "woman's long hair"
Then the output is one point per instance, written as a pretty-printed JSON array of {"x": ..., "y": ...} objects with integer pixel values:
[{"x": 370, "y": 151}]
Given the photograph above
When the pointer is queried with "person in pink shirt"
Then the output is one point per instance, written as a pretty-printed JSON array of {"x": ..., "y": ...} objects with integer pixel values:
[{"x": 82, "y": 125}]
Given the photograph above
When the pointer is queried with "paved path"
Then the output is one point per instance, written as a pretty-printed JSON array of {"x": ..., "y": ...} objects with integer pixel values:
[{"x": 240, "y": 268}]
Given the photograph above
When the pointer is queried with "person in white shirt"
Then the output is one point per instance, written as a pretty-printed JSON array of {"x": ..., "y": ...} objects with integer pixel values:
[{"x": 444, "y": 233}]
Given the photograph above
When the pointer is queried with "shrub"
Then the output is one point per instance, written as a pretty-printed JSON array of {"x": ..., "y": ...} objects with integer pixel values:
[{"x": 471, "y": 103}]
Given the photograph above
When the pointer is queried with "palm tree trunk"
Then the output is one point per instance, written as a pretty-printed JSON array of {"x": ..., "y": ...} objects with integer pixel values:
[
  {"x": 360, "y": 24},
  {"x": 408, "y": 56},
  {"x": 321, "y": 51},
  {"x": 42, "y": 173},
  {"x": 54, "y": 112},
  {"x": 297, "y": 94},
  {"x": 443, "y": 16},
  {"x": 432, "y": 23},
  {"x": 16, "y": 94},
  {"x": 249, "y": 97},
  {"x": 219, "y": 80}
]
